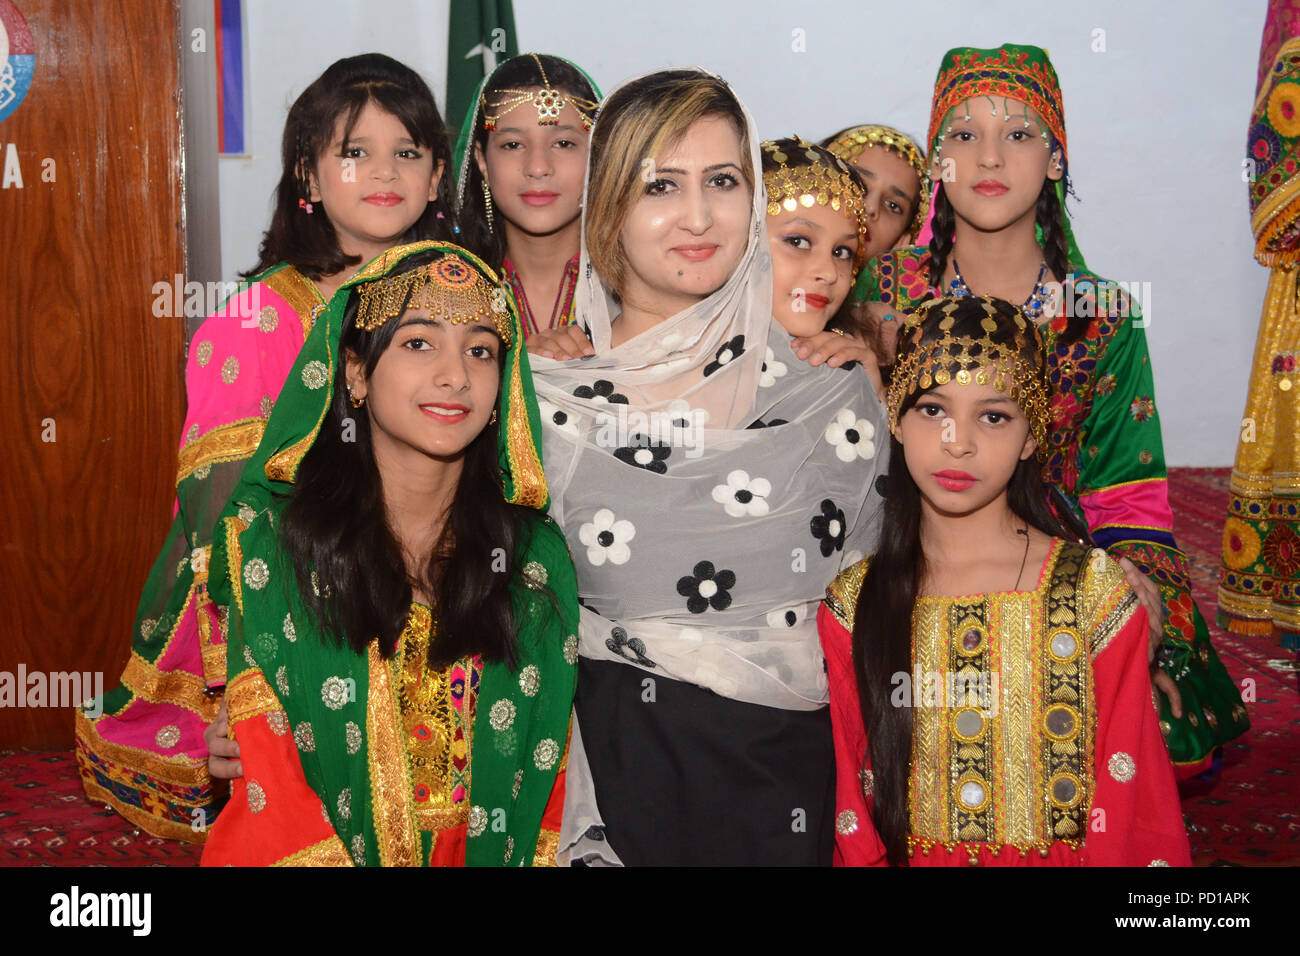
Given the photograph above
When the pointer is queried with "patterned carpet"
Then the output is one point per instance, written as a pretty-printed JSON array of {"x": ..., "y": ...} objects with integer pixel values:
[{"x": 1249, "y": 814}]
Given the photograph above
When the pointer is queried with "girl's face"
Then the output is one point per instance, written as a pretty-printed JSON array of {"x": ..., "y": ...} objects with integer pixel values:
[
  {"x": 813, "y": 252},
  {"x": 536, "y": 172},
  {"x": 893, "y": 194},
  {"x": 432, "y": 390},
  {"x": 993, "y": 167},
  {"x": 685, "y": 235},
  {"x": 962, "y": 444},
  {"x": 376, "y": 185}
]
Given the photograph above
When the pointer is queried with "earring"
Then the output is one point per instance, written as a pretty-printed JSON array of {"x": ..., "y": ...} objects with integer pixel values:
[
  {"x": 493, "y": 419},
  {"x": 487, "y": 204},
  {"x": 353, "y": 400},
  {"x": 1058, "y": 165},
  {"x": 305, "y": 205}
]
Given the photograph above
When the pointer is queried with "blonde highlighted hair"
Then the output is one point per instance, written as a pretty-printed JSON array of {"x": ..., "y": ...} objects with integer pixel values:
[{"x": 641, "y": 121}]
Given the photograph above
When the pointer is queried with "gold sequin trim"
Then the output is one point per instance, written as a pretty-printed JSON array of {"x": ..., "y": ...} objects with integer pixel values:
[
  {"x": 842, "y": 595},
  {"x": 249, "y": 695},
  {"x": 169, "y": 687},
  {"x": 390, "y": 785},
  {"x": 233, "y": 442},
  {"x": 328, "y": 852},
  {"x": 299, "y": 292},
  {"x": 548, "y": 846}
]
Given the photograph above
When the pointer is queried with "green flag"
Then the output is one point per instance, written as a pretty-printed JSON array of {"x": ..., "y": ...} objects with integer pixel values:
[{"x": 482, "y": 35}]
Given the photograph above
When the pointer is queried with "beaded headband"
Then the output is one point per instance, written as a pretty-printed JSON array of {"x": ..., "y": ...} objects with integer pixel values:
[
  {"x": 852, "y": 141},
  {"x": 962, "y": 359},
  {"x": 548, "y": 102},
  {"x": 450, "y": 288},
  {"x": 792, "y": 187},
  {"x": 1009, "y": 72}
]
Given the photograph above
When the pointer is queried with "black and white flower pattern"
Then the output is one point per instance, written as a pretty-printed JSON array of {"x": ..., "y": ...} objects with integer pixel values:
[
  {"x": 705, "y": 587},
  {"x": 789, "y": 616},
  {"x": 606, "y": 538},
  {"x": 629, "y": 648},
  {"x": 742, "y": 495},
  {"x": 600, "y": 391},
  {"x": 641, "y": 452},
  {"x": 828, "y": 528},
  {"x": 558, "y": 417},
  {"x": 731, "y": 350},
  {"x": 759, "y": 423},
  {"x": 771, "y": 370},
  {"x": 851, "y": 436}
]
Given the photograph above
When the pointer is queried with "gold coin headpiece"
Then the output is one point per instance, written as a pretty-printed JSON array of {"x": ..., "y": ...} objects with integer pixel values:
[
  {"x": 815, "y": 183},
  {"x": 449, "y": 287},
  {"x": 923, "y": 364},
  {"x": 849, "y": 144},
  {"x": 548, "y": 101}
]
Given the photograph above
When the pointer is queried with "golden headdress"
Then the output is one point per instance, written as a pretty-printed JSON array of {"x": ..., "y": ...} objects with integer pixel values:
[
  {"x": 850, "y": 143},
  {"x": 548, "y": 102},
  {"x": 799, "y": 174},
  {"x": 1013, "y": 365}
]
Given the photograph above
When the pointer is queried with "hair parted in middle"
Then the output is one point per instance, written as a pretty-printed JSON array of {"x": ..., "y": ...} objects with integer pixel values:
[{"x": 639, "y": 122}]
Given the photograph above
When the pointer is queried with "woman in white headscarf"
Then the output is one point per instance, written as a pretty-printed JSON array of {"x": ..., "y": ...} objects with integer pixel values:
[{"x": 710, "y": 485}]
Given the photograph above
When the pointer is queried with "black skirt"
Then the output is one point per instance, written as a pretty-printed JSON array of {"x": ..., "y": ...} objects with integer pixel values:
[{"x": 685, "y": 777}]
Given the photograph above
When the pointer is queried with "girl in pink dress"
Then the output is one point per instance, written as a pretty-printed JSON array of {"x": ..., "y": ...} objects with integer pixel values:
[{"x": 365, "y": 162}]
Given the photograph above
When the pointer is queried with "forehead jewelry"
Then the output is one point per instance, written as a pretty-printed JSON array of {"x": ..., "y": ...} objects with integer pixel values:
[
  {"x": 548, "y": 101},
  {"x": 450, "y": 288},
  {"x": 966, "y": 359},
  {"x": 815, "y": 184}
]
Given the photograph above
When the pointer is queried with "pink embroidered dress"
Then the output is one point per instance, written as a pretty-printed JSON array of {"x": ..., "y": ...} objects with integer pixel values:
[{"x": 141, "y": 750}]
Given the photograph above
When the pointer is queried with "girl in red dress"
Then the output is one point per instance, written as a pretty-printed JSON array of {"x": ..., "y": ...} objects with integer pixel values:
[{"x": 990, "y": 698}]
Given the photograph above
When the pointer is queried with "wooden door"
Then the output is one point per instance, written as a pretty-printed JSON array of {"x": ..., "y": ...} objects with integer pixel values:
[{"x": 91, "y": 381}]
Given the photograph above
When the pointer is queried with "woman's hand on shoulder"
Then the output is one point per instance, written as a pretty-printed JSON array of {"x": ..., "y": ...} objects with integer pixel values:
[
  {"x": 566, "y": 342},
  {"x": 837, "y": 349}
]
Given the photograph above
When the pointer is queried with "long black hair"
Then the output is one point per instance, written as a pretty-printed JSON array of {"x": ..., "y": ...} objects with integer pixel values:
[
  {"x": 519, "y": 72},
  {"x": 308, "y": 242},
  {"x": 1050, "y": 217},
  {"x": 882, "y": 625},
  {"x": 348, "y": 562}
]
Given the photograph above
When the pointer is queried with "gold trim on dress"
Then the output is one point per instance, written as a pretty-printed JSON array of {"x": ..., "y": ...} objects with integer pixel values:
[
  {"x": 390, "y": 779},
  {"x": 328, "y": 852},
  {"x": 183, "y": 689},
  {"x": 842, "y": 594},
  {"x": 232, "y": 442},
  {"x": 548, "y": 845},
  {"x": 299, "y": 292},
  {"x": 249, "y": 695}
]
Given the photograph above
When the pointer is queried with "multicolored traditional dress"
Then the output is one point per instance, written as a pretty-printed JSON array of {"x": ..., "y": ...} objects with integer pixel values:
[
  {"x": 145, "y": 756},
  {"x": 349, "y": 758},
  {"x": 1034, "y": 739},
  {"x": 1107, "y": 458},
  {"x": 561, "y": 311},
  {"x": 1259, "y": 589}
]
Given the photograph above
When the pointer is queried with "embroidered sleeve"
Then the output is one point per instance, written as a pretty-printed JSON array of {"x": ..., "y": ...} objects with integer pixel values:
[{"x": 842, "y": 595}]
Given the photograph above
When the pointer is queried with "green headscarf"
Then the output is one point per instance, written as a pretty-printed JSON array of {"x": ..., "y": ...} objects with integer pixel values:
[{"x": 352, "y": 756}]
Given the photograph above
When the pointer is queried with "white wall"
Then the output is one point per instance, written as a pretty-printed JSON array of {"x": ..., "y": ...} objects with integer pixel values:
[{"x": 1157, "y": 127}]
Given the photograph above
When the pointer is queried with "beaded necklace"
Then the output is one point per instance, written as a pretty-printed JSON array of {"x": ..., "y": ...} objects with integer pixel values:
[{"x": 1032, "y": 307}]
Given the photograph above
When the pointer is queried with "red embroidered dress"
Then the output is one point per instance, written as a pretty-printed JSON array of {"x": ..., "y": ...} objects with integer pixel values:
[
  {"x": 1106, "y": 456},
  {"x": 1047, "y": 754}
]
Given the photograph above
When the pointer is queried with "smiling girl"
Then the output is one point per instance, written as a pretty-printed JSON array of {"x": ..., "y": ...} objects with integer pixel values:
[
  {"x": 364, "y": 155},
  {"x": 400, "y": 609},
  {"x": 998, "y": 152},
  {"x": 988, "y": 677}
]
